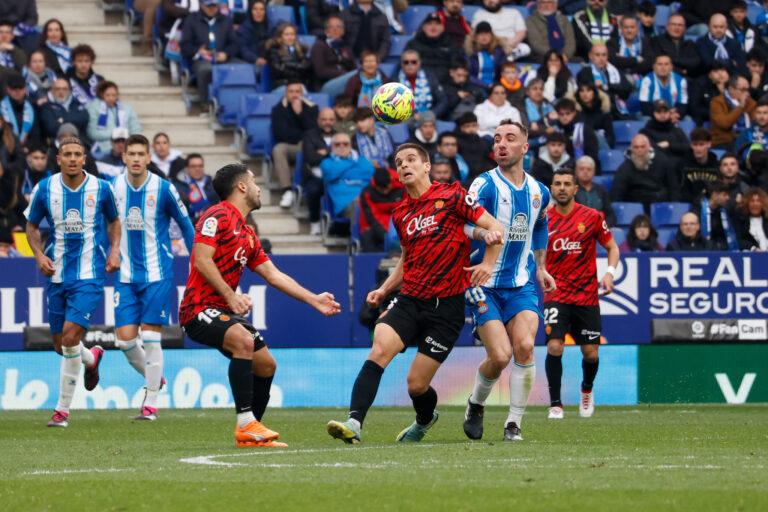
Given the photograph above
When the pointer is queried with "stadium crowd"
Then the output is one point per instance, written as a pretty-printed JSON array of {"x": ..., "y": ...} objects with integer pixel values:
[{"x": 650, "y": 103}]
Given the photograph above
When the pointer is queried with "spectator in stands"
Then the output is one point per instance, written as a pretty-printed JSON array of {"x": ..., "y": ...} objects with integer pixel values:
[
  {"x": 287, "y": 58},
  {"x": 441, "y": 171},
  {"x": 19, "y": 112},
  {"x": 427, "y": 91},
  {"x": 757, "y": 73},
  {"x": 493, "y": 110},
  {"x": 425, "y": 133},
  {"x": 646, "y": 176},
  {"x": 666, "y": 85},
  {"x": 752, "y": 221},
  {"x": 83, "y": 80},
  {"x": 663, "y": 134},
  {"x": 641, "y": 237},
  {"x": 508, "y": 24},
  {"x": 168, "y": 160},
  {"x": 148, "y": 10},
  {"x": 345, "y": 174},
  {"x": 730, "y": 174},
  {"x": 58, "y": 54},
  {"x": 590, "y": 193},
  {"x": 688, "y": 237},
  {"x": 69, "y": 130},
  {"x": 39, "y": 77},
  {"x": 741, "y": 29},
  {"x": 731, "y": 112},
  {"x": 510, "y": 79},
  {"x": 580, "y": 137},
  {"x": 699, "y": 167},
  {"x": 377, "y": 202},
  {"x": 11, "y": 151},
  {"x": 672, "y": 42},
  {"x": 12, "y": 58},
  {"x": 551, "y": 158},
  {"x": 35, "y": 170},
  {"x": 697, "y": 14},
  {"x": 291, "y": 117},
  {"x": 606, "y": 77},
  {"x": 539, "y": 113},
  {"x": 595, "y": 108},
  {"x": 61, "y": 108},
  {"x": 106, "y": 114},
  {"x": 448, "y": 148},
  {"x": 316, "y": 145},
  {"x": 195, "y": 187},
  {"x": 342, "y": 107},
  {"x": 434, "y": 47},
  {"x": 367, "y": 28},
  {"x": 333, "y": 62},
  {"x": 708, "y": 87},
  {"x": 549, "y": 30},
  {"x": 558, "y": 80},
  {"x": 593, "y": 25},
  {"x": 717, "y": 225},
  {"x": 456, "y": 26},
  {"x": 11, "y": 215},
  {"x": 207, "y": 39},
  {"x": 253, "y": 35},
  {"x": 372, "y": 141},
  {"x": 317, "y": 12},
  {"x": 646, "y": 14},
  {"x": 756, "y": 136},
  {"x": 111, "y": 164},
  {"x": 486, "y": 54},
  {"x": 462, "y": 95},
  {"x": 363, "y": 85},
  {"x": 175, "y": 11},
  {"x": 472, "y": 148},
  {"x": 756, "y": 168},
  {"x": 716, "y": 46},
  {"x": 630, "y": 51},
  {"x": 22, "y": 15}
]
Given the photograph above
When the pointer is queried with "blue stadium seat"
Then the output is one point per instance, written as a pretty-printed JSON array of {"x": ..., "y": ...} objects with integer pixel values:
[
  {"x": 334, "y": 226},
  {"x": 625, "y": 130},
  {"x": 668, "y": 214},
  {"x": 265, "y": 79},
  {"x": 398, "y": 132},
  {"x": 619, "y": 235},
  {"x": 522, "y": 9},
  {"x": 662, "y": 15},
  {"x": 226, "y": 102},
  {"x": 258, "y": 136},
  {"x": 666, "y": 235},
  {"x": 321, "y": 99},
  {"x": 308, "y": 41},
  {"x": 687, "y": 124},
  {"x": 232, "y": 74},
  {"x": 574, "y": 68},
  {"x": 354, "y": 232},
  {"x": 389, "y": 69},
  {"x": 633, "y": 103},
  {"x": 469, "y": 11},
  {"x": 256, "y": 105},
  {"x": 445, "y": 126},
  {"x": 606, "y": 181},
  {"x": 397, "y": 47},
  {"x": 412, "y": 17},
  {"x": 610, "y": 159},
  {"x": 753, "y": 11},
  {"x": 277, "y": 14},
  {"x": 625, "y": 212},
  {"x": 392, "y": 241},
  {"x": 719, "y": 153}
]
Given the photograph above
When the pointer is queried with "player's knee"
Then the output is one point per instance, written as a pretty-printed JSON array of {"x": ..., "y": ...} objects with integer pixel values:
[
  {"x": 242, "y": 347},
  {"x": 70, "y": 338},
  {"x": 499, "y": 360},
  {"x": 524, "y": 353},
  {"x": 380, "y": 355},
  {"x": 417, "y": 385},
  {"x": 555, "y": 348},
  {"x": 267, "y": 367}
]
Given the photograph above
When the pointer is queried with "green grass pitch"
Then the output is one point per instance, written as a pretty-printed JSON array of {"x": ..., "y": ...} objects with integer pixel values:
[{"x": 654, "y": 458}]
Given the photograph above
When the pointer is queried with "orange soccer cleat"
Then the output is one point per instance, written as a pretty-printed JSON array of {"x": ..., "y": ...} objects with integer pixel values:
[{"x": 254, "y": 434}]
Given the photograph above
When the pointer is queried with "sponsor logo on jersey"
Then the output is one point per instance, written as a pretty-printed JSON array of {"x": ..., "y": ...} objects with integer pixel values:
[
  {"x": 434, "y": 345},
  {"x": 90, "y": 202},
  {"x": 241, "y": 256},
  {"x": 421, "y": 223},
  {"x": 565, "y": 244},
  {"x": 73, "y": 223},
  {"x": 134, "y": 221},
  {"x": 518, "y": 231},
  {"x": 581, "y": 227},
  {"x": 209, "y": 227},
  {"x": 439, "y": 204}
]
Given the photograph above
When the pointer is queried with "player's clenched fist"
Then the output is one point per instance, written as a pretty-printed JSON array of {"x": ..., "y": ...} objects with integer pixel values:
[
  {"x": 546, "y": 281},
  {"x": 326, "y": 304},
  {"x": 375, "y": 298},
  {"x": 46, "y": 266},
  {"x": 113, "y": 261},
  {"x": 493, "y": 237},
  {"x": 240, "y": 304}
]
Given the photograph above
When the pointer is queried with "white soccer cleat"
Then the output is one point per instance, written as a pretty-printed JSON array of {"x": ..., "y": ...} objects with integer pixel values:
[
  {"x": 587, "y": 404},
  {"x": 555, "y": 413}
]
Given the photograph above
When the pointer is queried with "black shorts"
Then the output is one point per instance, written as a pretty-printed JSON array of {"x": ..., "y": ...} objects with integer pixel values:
[
  {"x": 210, "y": 326},
  {"x": 581, "y": 322},
  {"x": 433, "y": 325}
]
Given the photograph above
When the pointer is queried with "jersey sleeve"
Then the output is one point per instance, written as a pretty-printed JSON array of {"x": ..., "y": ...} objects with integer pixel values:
[
  {"x": 210, "y": 227},
  {"x": 108, "y": 203},
  {"x": 258, "y": 255},
  {"x": 174, "y": 206},
  {"x": 467, "y": 206},
  {"x": 540, "y": 229},
  {"x": 37, "y": 208},
  {"x": 602, "y": 231}
]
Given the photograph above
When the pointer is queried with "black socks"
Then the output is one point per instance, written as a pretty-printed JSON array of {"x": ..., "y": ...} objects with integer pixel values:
[
  {"x": 424, "y": 405},
  {"x": 241, "y": 382},
  {"x": 261, "y": 387},
  {"x": 589, "y": 369},
  {"x": 553, "y": 365},
  {"x": 364, "y": 390}
]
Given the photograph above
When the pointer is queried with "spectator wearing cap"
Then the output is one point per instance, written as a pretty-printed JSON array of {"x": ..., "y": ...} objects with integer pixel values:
[
  {"x": 629, "y": 50},
  {"x": 549, "y": 29},
  {"x": 508, "y": 24},
  {"x": 646, "y": 14},
  {"x": 69, "y": 130},
  {"x": 367, "y": 28},
  {"x": 435, "y": 48},
  {"x": 593, "y": 25},
  {"x": 440, "y": 170},
  {"x": 646, "y": 176},
  {"x": 195, "y": 187},
  {"x": 716, "y": 46},
  {"x": 664, "y": 84},
  {"x": 717, "y": 226},
  {"x": 707, "y": 87},
  {"x": 345, "y": 174},
  {"x": 168, "y": 160},
  {"x": 428, "y": 94},
  {"x": 425, "y": 133},
  {"x": 12, "y": 58},
  {"x": 82, "y": 78},
  {"x": 672, "y": 42},
  {"x": 757, "y": 73},
  {"x": 606, "y": 77},
  {"x": 699, "y": 167},
  {"x": 61, "y": 108},
  {"x": 377, "y": 202},
  {"x": 551, "y": 158},
  {"x": 448, "y": 148},
  {"x": 664, "y": 134},
  {"x": 688, "y": 237},
  {"x": 19, "y": 113},
  {"x": 53, "y": 42},
  {"x": 332, "y": 59},
  {"x": 316, "y": 145},
  {"x": 462, "y": 95},
  {"x": 580, "y": 138},
  {"x": 456, "y": 26},
  {"x": 493, "y": 110},
  {"x": 362, "y": 86},
  {"x": 111, "y": 164},
  {"x": 486, "y": 54},
  {"x": 106, "y": 114},
  {"x": 590, "y": 193},
  {"x": 473, "y": 149},
  {"x": 372, "y": 141},
  {"x": 731, "y": 112},
  {"x": 207, "y": 39}
]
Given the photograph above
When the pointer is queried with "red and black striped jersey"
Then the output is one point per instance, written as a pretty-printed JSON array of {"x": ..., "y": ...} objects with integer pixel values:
[
  {"x": 221, "y": 226},
  {"x": 431, "y": 230},
  {"x": 572, "y": 254}
]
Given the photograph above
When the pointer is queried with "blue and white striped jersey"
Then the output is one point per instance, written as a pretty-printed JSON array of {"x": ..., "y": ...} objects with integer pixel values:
[
  {"x": 146, "y": 213},
  {"x": 523, "y": 212},
  {"x": 77, "y": 242}
]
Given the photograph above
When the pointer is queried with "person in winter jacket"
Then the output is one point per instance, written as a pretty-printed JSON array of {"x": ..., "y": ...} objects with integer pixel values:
[
  {"x": 288, "y": 60},
  {"x": 435, "y": 47},
  {"x": 646, "y": 176},
  {"x": 345, "y": 175},
  {"x": 688, "y": 236},
  {"x": 377, "y": 202},
  {"x": 663, "y": 134},
  {"x": 552, "y": 157}
]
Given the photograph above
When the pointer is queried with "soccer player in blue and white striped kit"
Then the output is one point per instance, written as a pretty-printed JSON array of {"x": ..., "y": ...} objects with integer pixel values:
[
  {"x": 506, "y": 309},
  {"x": 81, "y": 212},
  {"x": 146, "y": 204}
]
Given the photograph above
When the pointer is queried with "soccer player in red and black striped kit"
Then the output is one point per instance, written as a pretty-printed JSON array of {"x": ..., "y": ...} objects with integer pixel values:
[
  {"x": 213, "y": 313},
  {"x": 574, "y": 306},
  {"x": 429, "y": 309}
]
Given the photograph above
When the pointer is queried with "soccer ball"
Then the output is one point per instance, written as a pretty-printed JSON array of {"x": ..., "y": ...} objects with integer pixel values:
[{"x": 393, "y": 103}]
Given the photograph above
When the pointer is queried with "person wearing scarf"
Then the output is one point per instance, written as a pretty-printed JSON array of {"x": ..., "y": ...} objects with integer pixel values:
[
  {"x": 549, "y": 29},
  {"x": 731, "y": 111},
  {"x": 362, "y": 86},
  {"x": 740, "y": 28},
  {"x": 12, "y": 58},
  {"x": 607, "y": 78},
  {"x": 58, "y": 54},
  {"x": 62, "y": 108},
  {"x": 513, "y": 84},
  {"x": 82, "y": 79},
  {"x": 39, "y": 77},
  {"x": 345, "y": 174},
  {"x": 716, "y": 225},
  {"x": 629, "y": 51},
  {"x": 539, "y": 112},
  {"x": 666, "y": 85},
  {"x": 427, "y": 92},
  {"x": 19, "y": 112},
  {"x": 106, "y": 114},
  {"x": 716, "y": 46},
  {"x": 757, "y": 136},
  {"x": 593, "y": 25},
  {"x": 373, "y": 142}
]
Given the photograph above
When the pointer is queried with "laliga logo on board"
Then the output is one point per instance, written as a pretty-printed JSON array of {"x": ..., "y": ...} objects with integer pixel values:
[
  {"x": 624, "y": 299},
  {"x": 420, "y": 223}
]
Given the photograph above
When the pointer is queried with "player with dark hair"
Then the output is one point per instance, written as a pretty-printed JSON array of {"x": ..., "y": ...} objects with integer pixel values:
[
  {"x": 429, "y": 309},
  {"x": 80, "y": 209},
  {"x": 212, "y": 312},
  {"x": 573, "y": 307}
]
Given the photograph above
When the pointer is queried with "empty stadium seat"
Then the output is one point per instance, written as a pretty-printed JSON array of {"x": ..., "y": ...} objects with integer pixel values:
[
  {"x": 308, "y": 41},
  {"x": 662, "y": 15},
  {"x": 574, "y": 68},
  {"x": 625, "y": 130},
  {"x": 412, "y": 17},
  {"x": 445, "y": 126},
  {"x": 523, "y": 10},
  {"x": 226, "y": 102},
  {"x": 668, "y": 214},
  {"x": 610, "y": 159},
  {"x": 619, "y": 235},
  {"x": 687, "y": 124},
  {"x": 398, "y": 132},
  {"x": 257, "y": 105},
  {"x": 277, "y": 14},
  {"x": 606, "y": 181},
  {"x": 396, "y": 48},
  {"x": 389, "y": 69},
  {"x": 719, "y": 153},
  {"x": 666, "y": 235},
  {"x": 469, "y": 11},
  {"x": 321, "y": 99},
  {"x": 625, "y": 212},
  {"x": 753, "y": 11},
  {"x": 257, "y": 138}
]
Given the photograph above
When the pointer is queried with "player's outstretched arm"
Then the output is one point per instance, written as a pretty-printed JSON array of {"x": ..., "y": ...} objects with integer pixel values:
[
  {"x": 606, "y": 283},
  {"x": 546, "y": 281},
  {"x": 324, "y": 302},
  {"x": 114, "y": 232},
  {"x": 203, "y": 261},
  {"x": 390, "y": 284},
  {"x": 490, "y": 231},
  {"x": 44, "y": 263}
]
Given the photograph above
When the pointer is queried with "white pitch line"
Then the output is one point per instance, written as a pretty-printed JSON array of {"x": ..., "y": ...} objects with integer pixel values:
[{"x": 49, "y": 472}]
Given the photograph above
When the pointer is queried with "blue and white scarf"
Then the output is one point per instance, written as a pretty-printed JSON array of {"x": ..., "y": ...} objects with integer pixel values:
[
  {"x": 66, "y": 103},
  {"x": 6, "y": 60},
  {"x": 120, "y": 118},
  {"x": 376, "y": 149},
  {"x": 578, "y": 141},
  {"x": 608, "y": 76},
  {"x": 720, "y": 52},
  {"x": 486, "y": 67},
  {"x": 85, "y": 96},
  {"x": 537, "y": 113},
  {"x": 630, "y": 50},
  {"x": 63, "y": 54},
  {"x": 28, "y": 118},
  {"x": 422, "y": 94},
  {"x": 368, "y": 87},
  {"x": 706, "y": 225},
  {"x": 36, "y": 82},
  {"x": 744, "y": 121},
  {"x": 674, "y": 93}
]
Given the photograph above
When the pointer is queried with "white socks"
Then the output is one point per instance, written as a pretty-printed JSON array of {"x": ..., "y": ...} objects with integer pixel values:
[
  {"x": 86, "y": 355},
  {"x": 153, "y": 371},
  {"x": 69, "y": 373},
  {"x": 483, "y": 387},
  {"x": 521, "y": 377},
  {"x": 134, "y": 353},
  {"x": 244, "y": 418}
]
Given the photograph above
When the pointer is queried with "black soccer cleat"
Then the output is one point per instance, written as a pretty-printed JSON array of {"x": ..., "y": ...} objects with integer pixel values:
[
  {"x": 473, "y": 420},
  {"x": 512, "y": 432}
]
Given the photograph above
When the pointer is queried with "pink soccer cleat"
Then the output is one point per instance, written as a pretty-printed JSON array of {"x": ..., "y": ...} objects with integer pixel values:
[
  {"x": 59, "y": 419},
  {"x": 147, "y": 414},
  {"x": 91, "y": 377}
]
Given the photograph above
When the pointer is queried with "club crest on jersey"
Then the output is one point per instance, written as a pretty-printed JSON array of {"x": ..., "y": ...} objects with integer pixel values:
[
  {"x": 73, "y": 223},
  {"x": 518, "y": 231},
  {"x": 133, "y": 221},
  {"x": 151, "y": 201},
  {"x": 482, "y": 307},
  {"x": 536, "y": 201},
  {"x": 581, "y": 227},
  {"x": 90, "y": 202},
  {"x": 210, "y": 226},
  {"x": 439, "y": 204}
]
